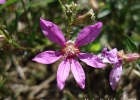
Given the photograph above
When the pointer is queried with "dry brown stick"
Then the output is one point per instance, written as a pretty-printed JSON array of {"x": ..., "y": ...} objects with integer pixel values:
[
  {"x": 36, "y": 89},
  {"x": 18, "y": 67}
]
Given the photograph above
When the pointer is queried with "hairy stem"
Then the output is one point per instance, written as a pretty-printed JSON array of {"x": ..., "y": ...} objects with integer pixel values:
[{"x": 69, "y": 28}]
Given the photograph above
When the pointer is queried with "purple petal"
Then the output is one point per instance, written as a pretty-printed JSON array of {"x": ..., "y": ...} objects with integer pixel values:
[
  {"x": 52, "y": 32},
  {"x": 62, "y": 73},
  {"x": 91, "y": 60},
  {"x": 115, "y": 75},
  {"x": 2, "y": 1},
  {"x": 47, "y": 57},
  {"x": 78, "y": 73},
  {"x": 88, "y": 34},
  {"x": 109, "y": 56}
]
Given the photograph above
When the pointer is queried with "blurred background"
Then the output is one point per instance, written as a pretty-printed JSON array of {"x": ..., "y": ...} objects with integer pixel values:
[{"x": 23, "y": 79}]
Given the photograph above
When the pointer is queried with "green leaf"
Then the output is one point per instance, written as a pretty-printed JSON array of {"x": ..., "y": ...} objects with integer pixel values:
[
  {"x": 37, "y": 3},
  {"x": 75, "y": 1},
  {"x": 103, "y": 13},
  {"x": 69, "y": 1},
  {"x": 130, "y": 45},
  {"x": 1, "y": 83},
  {"x": 94, "y": 47},
  {"x": 8, "y": 2}
]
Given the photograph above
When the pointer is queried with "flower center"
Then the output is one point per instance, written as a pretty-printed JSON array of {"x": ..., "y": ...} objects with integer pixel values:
[{"x": 70, "y": 50}]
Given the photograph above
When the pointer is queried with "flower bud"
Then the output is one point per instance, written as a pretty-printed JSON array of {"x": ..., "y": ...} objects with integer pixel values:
[
  {"x": 128, "y": 57},
  {"x": 71, "y": 9},
  {"x": 86, "y": 18},
  {"x": 131, "y": 57}
]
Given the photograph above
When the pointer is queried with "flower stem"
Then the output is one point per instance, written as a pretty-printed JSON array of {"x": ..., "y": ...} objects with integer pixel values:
[
  {"x": 17, "y": 45},
  {"x": 69, "y": 28},
  {"x": 21, "y": 47}
]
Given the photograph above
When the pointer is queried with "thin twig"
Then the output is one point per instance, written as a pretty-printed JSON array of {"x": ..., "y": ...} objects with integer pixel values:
[
  {"x": 130, "y": 71},
  {"x": 70, "y": 95},
  {"x": 18, "y": 67},
  {"x": 36, "y": 89}
]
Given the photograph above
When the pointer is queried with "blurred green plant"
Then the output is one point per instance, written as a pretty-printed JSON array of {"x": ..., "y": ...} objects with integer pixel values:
[
  {"x": 130, "y": 45},
  {"x": 121, "y": 29}
]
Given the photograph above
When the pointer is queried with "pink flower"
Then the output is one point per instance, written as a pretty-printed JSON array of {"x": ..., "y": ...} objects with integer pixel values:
[
  {"x": 111, "y": 57},
  {"x": 69, "y": 52},
  {"x": 2, "y": 1}
]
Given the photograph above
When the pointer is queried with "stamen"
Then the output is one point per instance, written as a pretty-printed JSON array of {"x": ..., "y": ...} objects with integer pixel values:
[{"x": 70, "y": 50}]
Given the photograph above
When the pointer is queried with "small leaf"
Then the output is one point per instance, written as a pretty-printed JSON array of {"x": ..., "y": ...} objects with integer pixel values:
[
  {"x": 2, "y": 83},
  {"x": 103, "y": 13},
  {"x": 69, "y": 1},
  {"x": 130, "y": 45},
  {"x": 8, "y": 2}
]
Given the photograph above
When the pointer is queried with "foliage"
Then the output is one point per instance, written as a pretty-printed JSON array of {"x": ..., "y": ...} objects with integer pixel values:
[{"x": 22, "y": 79}]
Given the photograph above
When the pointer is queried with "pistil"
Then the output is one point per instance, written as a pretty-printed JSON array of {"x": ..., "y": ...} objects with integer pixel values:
[{"x": 70, "y": 50}]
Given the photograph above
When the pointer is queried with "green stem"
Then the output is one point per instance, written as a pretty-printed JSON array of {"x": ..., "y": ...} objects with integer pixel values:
[
  {"x": 69, "y": 28},
  {"x": 62, "y": 7},
  {"x": 3, "y": 32},
  {"x": 20, "y": 47}
]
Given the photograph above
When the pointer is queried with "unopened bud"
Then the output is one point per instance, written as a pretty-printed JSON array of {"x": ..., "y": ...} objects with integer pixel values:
[
  {"x": 91, "y": 14},
  {"x": 131, "y": 57},
  {"x": 128, "y": 57},
  {"x": 86, "y": 18},
  {"x": 68, "y": 8},
  {"x": 71, "y": 9}
]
